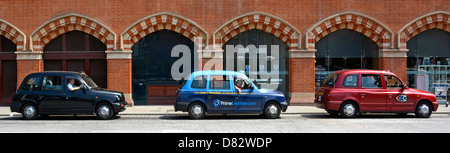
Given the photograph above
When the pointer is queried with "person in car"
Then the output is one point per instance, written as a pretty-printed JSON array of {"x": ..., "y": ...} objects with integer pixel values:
[
  {"x": 71, "y": 85},
  {"x": 237, "y": 85}
]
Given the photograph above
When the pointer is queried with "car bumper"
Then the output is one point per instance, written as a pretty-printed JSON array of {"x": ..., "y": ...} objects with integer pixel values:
[
  {"x": 435, "y": 105},
  {"x": 15, "y": 106},
  {"x": 181, "y": 106},
  {"x": 284, "y": 106},
  {"x": 120, "y": 107},
  {"x": 328, "y": 105}
]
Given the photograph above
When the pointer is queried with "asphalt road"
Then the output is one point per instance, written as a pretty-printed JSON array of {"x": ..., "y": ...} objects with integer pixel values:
[{"x": 296, "y": 123}]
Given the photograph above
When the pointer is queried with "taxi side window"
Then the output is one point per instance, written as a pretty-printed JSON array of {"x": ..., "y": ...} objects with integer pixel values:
[
  {"x": 351, "y": 80},
  {"x": 219, "y": 82},
  {"x": 199, "y": 82},
  {"x": 52, "y": 83},
  {"x": 392, "y": 81},
  {"x": 31, "y": 84},
  {"x": 371, "y": 81}
]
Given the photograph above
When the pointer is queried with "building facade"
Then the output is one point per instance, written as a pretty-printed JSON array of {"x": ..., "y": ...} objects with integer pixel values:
[{"x": 125, "y": 45}]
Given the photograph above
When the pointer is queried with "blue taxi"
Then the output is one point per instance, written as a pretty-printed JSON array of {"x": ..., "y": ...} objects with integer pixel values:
[{"x": 227, "y": 92}]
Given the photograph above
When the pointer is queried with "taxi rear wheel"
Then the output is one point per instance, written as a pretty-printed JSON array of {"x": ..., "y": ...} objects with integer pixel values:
[
  {"x": 197, "y": 110},
  {"x": 272, "y": 110},
  {"x": 348, "y": 110},
  {"x": 30, "y": 111}
]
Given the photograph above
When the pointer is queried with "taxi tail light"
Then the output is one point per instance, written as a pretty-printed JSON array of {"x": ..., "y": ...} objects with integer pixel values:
[{"x": 178, "y": 95}]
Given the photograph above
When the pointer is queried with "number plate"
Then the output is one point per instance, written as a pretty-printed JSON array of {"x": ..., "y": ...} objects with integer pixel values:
[{"x": 320, "y": 93}]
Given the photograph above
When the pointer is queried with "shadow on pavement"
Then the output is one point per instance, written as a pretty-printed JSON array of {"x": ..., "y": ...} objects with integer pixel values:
[
  {"x": 212, "y": 117},
  {"x": 363, "y": 116}
]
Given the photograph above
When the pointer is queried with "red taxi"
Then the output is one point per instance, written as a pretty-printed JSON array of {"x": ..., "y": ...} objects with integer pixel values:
[{"x": 349, "y": 92}]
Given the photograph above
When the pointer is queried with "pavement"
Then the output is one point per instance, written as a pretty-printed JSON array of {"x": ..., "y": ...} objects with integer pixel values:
[{"x": 168, "y": 110}]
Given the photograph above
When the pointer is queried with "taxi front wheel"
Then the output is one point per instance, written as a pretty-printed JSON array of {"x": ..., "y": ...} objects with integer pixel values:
[
  {"x": 104, "y": 111},
  {"x": 197, "y": 111},
  {"x": 272, "y": 110},
  {"x": 423, "y": 110}
]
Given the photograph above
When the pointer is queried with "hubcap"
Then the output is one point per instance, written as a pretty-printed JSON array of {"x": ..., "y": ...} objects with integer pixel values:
[
  {"x": 197, "y": 110},
  {"x": 423, "y": 109},
  {"x": 273, "y": 110},
  {"x": 29, "y": 111},
  {"x": 104, "y": 111},
  {"x": 349, "y": 109}
]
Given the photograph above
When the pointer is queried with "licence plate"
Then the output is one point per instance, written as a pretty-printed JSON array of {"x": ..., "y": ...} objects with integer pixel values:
[
  {"x": 320, "y": 93},
  {"x": 319, "y": 98}
]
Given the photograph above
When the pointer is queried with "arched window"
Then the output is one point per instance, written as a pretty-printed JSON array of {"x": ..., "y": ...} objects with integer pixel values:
[
  {"x": 77, "y": 51},
  {"x": 8, "y": 70},
  {"x": 344, "y": 49},
  {"x": 151, "y": 68},
  {"x": 263, "y": 42}
]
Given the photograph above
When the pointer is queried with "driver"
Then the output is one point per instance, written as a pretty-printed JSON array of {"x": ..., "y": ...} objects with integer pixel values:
[{"x": 71, "y": 85}]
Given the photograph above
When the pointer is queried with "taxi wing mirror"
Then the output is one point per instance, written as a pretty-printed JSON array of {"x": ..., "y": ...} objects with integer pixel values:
[{"x": 404, "y": 87}]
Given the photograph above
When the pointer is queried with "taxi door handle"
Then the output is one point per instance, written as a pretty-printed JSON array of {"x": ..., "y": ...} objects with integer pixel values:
[
  {"x": 390, "y": 95},
  {"x": 362, "y": 95},
  {"x": 210, "y": 96}
]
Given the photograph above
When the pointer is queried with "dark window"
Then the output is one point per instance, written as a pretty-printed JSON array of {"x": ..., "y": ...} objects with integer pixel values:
[
  {"x": 344, "y": 49},
  {"x": 31, "y": 83},
  {"x": 152, "y": 63},
  {"x": 52, "y": 83},
  {"x": 263, "y": 42},
  {"x": 75, "y": 41},
  {"x": 219, "y": 82},
  {"x": 7, "y": 45},
  {"x": 351, "y": 80},
  {"x": 371, "y": 81},
  {"x": 199, "y": 82}
]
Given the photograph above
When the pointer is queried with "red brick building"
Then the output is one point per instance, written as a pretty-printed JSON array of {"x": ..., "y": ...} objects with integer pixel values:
[{"x": 40, "y": 32}]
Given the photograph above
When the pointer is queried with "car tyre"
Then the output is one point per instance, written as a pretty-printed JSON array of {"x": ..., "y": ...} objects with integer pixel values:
[
  {"x": 423, "y": 110},
  {"x": 30, "y": 111},
  {"x": 272, "y": 110},
  {"x": 197, "y": 111},
  {"x": 104, "y": 111},
  {"x": 349, "y": 110}
]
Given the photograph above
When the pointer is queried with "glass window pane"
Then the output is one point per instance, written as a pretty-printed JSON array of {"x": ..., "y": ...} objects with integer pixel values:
[
  {"x": 31, "y": 84},
  {"x": 371, "y": 81},
  {"x": 351, "y": 80},
  {"x": 199, "y": 82},
  {"x": 52, "y": 83},
  {"x": 393, "y": 81},
  {"x": 219, "y": 82}
]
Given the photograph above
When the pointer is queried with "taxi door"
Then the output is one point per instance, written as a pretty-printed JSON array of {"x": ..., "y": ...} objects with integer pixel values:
[
  {"x": 220, "y": 96},
  {"x": 372, "y": 93},
  {"x": 398, "y": 98},
  {"x": 249, "y": 100}
]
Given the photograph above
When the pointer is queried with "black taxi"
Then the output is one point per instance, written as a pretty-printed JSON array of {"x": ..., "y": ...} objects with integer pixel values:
[{"x": 64, "y": 92}]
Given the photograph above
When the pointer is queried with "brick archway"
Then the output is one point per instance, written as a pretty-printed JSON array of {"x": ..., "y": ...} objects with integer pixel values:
[
  {"x": 159, "y": 21},
  {"x": 361, "y": 23},
  {"x": 70, "y": 22},
  {"x": 261, "y": 21},
  {"x": 439, "y": 20},
  {"x": 13, "y": 33}
]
